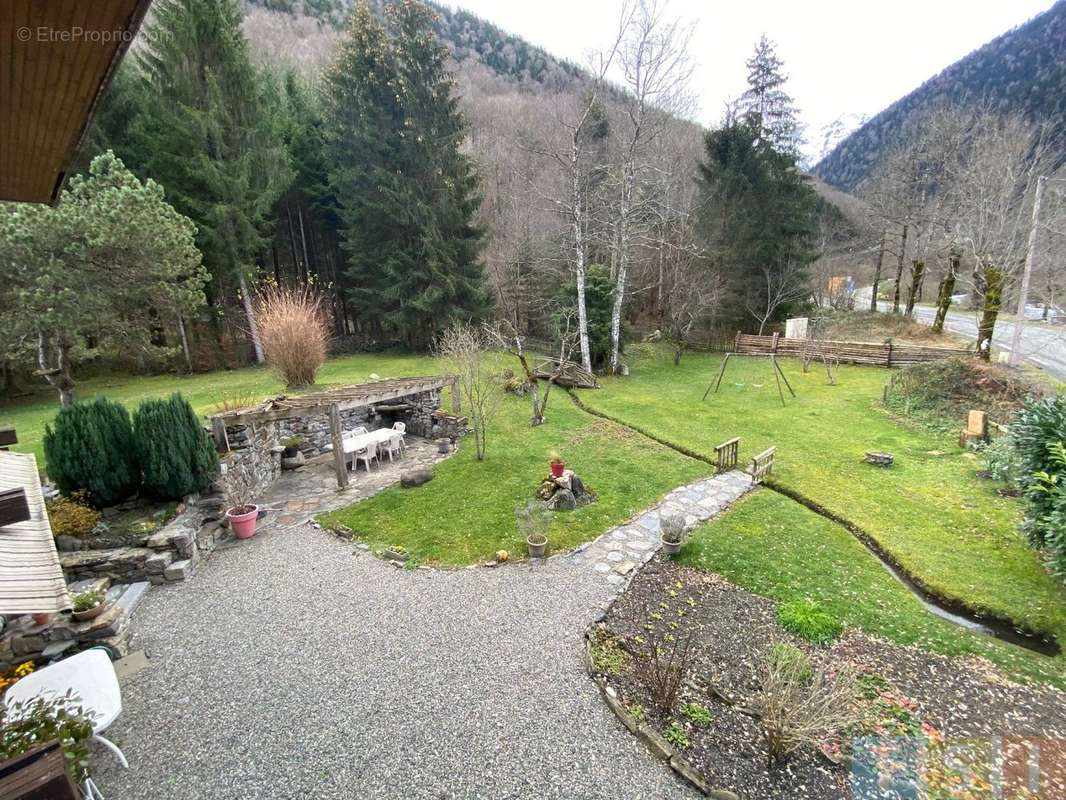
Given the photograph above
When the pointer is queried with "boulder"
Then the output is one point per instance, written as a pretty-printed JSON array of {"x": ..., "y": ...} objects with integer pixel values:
[
  {"x": 416, "y": 477},
  {"x": 563, "y": 500}
]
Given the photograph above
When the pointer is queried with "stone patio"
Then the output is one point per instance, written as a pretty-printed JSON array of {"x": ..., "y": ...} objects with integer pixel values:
[{"x": 312, "y": 489}]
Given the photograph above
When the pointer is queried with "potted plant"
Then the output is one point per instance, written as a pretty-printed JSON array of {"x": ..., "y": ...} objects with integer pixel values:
[
  {"x": 291, "y": 456},
  {"x": 88, "y": 605},
  {"x": 672, "y": 531},
  {"x": 558, "y": 466},
  {"x": 534, "y": 519},
  {"x": 242, "y": 512}
]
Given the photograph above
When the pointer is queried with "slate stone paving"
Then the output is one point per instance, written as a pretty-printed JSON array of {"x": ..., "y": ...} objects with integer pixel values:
[
  {"x": 622, "y": 549},
  {"x": 312, "y": 489}
]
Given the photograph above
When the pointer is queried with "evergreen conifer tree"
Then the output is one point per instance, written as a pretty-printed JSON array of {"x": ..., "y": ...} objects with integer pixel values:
[
  {"x": 205, "y": 131},
  {"x": 407, "y": 193},
  {"x": 91, "y": 449},
  {"x": 176, "y": 455},
  {"x": 766, "y": 105}
]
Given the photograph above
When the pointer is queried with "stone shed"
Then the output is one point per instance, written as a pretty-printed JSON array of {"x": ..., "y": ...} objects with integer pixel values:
[{"x": 250, "y": 440}]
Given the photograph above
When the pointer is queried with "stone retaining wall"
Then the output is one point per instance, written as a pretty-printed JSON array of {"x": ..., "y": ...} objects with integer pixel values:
[{"x": 169, "y": 555}]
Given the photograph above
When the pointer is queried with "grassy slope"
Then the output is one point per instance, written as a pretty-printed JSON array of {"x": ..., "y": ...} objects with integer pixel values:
[
  {"x": 29, "y": 416},
  {"x": 929, "y": 511},
  {"x": 777, "y": 548},
  {"x": 466, "y": 513}
]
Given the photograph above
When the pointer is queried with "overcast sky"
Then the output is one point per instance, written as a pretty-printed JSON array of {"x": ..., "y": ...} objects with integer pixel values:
[{"x": 844, "y": 57}]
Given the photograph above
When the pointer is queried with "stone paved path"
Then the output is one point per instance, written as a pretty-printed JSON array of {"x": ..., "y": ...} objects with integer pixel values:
[{"x": 622, "y": 549}]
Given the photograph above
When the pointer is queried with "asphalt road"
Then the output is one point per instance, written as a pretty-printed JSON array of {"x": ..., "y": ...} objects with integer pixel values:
[{"x": 1042, "y": 345}]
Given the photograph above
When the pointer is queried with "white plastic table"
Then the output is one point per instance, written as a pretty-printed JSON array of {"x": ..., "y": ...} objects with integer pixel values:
[
  {"x": 91, "y": 676},
  {"x": 359, "y": 441}
]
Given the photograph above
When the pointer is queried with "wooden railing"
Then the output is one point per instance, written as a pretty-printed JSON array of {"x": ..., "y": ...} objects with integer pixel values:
[
  {"x": 763, "y": 464},
  {"x": 886, "y": 354},
  {"x": 726, "y": 454}
]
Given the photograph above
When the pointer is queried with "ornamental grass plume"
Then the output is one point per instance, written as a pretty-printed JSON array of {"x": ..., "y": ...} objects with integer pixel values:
[{"x": 294, "y": 330}]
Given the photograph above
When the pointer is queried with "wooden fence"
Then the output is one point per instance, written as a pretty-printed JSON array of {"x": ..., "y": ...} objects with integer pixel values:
[{"x": 887, "y": 354}]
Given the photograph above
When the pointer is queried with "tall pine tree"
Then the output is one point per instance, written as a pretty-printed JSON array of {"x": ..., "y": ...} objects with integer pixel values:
[
  {"x": 758, "y": 217},
  {"x": 766, "y": 105},
  {"x": 407, "y": 192},
  {"x": 206, "y": 133}
]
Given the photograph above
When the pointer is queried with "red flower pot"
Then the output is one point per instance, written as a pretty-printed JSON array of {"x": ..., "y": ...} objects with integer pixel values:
[
  {"x": 42, "y": 619},
  {"x": 558, "y": 469},
  {"x": 243, "y": 523}
]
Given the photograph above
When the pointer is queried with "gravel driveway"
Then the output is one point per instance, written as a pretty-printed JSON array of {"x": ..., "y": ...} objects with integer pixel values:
[{"x": 297, "y": 666}]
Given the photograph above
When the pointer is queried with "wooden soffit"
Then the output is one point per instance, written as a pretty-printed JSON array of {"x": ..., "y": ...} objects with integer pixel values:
[{"x": 56, "y": 60}]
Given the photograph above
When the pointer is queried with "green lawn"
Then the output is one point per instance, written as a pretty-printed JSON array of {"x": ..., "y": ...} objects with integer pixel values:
[
  {"x": 29, "y": 416},
  {"x": 775, "y": 547},
  {"x": 943, "y": 524},
  {"x": 466, "y": 513}
]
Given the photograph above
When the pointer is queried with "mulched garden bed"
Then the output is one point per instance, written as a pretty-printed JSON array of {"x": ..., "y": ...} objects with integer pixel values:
[{"x": 907, "y": 701}]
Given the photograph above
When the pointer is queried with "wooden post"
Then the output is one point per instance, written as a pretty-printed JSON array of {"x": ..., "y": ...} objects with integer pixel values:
[
  {"x": 773, "y": 346},
  {"x": 7, "y": 437},
  {"x": 340, "y": 463},
  {"x": 218, "y": 431},
  {"x": 457, "y": 405},
  {"x": 888, "y": 359}
]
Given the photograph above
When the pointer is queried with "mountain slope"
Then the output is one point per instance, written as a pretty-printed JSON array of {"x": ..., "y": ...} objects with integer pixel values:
[
  {"x": 467, "y": 36},
  {"x": 1022, "y": 71}
]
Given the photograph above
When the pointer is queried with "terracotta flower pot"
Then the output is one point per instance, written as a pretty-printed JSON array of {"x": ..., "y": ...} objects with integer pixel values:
[
  {"x": 243, "y": 523},
  {"x": 90, "y": 613},
  {"x": 42, "y": 619},
  {"x": 558, "y": 468}
]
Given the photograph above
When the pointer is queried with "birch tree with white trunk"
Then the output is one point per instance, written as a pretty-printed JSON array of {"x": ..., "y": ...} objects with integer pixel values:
[{"x": 656, "y": 70}]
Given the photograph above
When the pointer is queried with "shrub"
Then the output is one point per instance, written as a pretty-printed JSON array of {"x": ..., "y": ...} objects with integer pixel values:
[
  {"x": 26, "y": 724},
  {"x": 176, "y": 454},
  {"x": 787, "y": 656},
  {"x": 1003, "y": 461},
  {"x": 294, "y": 329},
  {"x": 1039, "y": 434},
  {"x": 808, "y": 620},
  {"x": 797, "y": 708},
  {"x": 91, "y": 450},
  {"x": 72, "y": 516},
  {"x": 661, "y": 661}
]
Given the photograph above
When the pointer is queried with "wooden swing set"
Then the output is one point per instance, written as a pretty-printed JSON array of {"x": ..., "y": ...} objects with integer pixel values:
[{"x": 779, "y": 375}]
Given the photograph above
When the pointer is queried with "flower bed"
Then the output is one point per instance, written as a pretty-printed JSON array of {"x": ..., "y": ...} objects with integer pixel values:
[{"x": 916, "y": 724}]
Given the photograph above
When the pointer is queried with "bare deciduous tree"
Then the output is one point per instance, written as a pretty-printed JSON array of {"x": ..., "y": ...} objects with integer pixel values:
[
  {"x": 466, "y": 350},
  {"x": 656, "y": 70}
]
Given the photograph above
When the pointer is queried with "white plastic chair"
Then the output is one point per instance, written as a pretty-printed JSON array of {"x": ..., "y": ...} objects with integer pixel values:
[
  {"x": 394, "y": 444},
  {"x": 91, "y": 676},
  {"x": 401, "y": 428},
  {"x": 366, "y": 455},
  {"x": 354, "y": 432}
]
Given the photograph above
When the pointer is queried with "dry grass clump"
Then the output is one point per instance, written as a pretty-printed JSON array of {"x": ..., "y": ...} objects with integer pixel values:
[{"x": 294, "y": 330}]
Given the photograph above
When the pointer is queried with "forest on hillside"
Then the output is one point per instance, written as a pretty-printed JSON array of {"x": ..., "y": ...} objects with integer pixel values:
[
  {"x": 420, "y": 168},
  {"x": 1021, "y": 72}
]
